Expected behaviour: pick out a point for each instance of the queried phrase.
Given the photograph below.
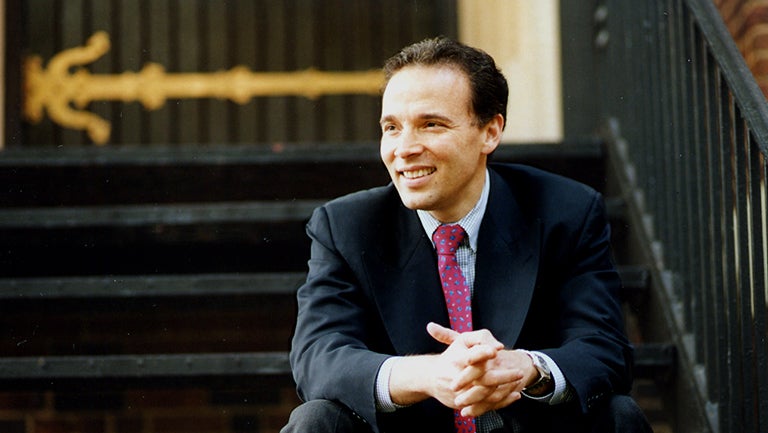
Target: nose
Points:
(408, 144)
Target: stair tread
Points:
(177, 213)
(259, 154)
(223, 284)
(52, 371)
(208, 364)
(67, 217)
(131, 286)
(144, 365)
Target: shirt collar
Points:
(470, 222)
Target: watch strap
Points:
(537, 390)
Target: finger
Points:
(498, 377)
(504, 380)
(481, 353)
(488, 405)
(477, 365)
(473, 396)
(476, 361)
(441, 333)
(467, 377)
(482, 336)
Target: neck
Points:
(452, 215)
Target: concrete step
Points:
(54, 371)
(41, 289)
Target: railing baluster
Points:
(713, 312)
(696, 182)
(677, 247)
(760, 280)
(685, 153)
(743, 263)
(665, 186)
(729, 291)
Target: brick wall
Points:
(747, 21)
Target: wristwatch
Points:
(540, 387)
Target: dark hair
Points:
(488, 85)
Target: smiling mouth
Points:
(415, 174)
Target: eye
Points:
(388, 127)
(433, 124)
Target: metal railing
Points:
(688, 128)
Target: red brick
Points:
(191, 423)
(760, 64)
(13, 426)
(128, 424)
(273, 419)
(760, 40)
(21, 400)
(165, 398)
(64, 424)
(755, 13)
(88, 400)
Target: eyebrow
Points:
(386, 119)
(424, 116)
(435, 116)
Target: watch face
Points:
(541, 365)
(539, 388)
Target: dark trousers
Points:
(619, 415)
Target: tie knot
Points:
(448, 237)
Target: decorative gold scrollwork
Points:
(55, 89)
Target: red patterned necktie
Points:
(458, 297)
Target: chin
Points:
(422, 200)
(415, 204)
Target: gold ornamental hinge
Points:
(64, 95)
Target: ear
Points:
(492, 131)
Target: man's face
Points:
(431, 145)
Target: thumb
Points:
(441, 333)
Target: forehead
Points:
(415, 85)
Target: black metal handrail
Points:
(688, 129)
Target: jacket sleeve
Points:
(330, 355)
(594, 354)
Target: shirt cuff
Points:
(383, 399)
(560, 394)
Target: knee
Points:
(315, 409)
(310, 414)
(321, 416)
(621, 414)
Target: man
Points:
(506, 320)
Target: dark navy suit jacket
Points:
(544, 281)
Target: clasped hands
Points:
(475, 374)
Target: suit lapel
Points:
(403, 274)
(406, 285)
(507, 264)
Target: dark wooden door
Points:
(213, 35)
